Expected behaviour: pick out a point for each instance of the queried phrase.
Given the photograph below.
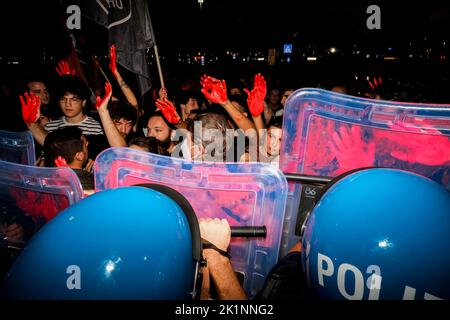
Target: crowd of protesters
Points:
(241, 111)
(205, 119)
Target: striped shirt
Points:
(89, 126)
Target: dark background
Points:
(33, 33)
(35, 25)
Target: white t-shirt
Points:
(88, 125)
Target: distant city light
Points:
(311, 58)
(333, 50)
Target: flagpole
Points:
(158, 64)
(155, 47)
(97, 64)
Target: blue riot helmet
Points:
(124, 243)
(379, 234)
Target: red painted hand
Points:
(61, 162)
(214, 89)
(103, 102)
(30, 108)
(64, 69)
(256, 97)
(112, 63)
(186, 87)
(168, 110)
(375, 83)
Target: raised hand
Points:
(112, 63)
(61, 162)
(168, 110)
(163, 94)
(64, 69)
(214, 89)
(375, 83)
(186, 87)
(256, 97)
(350, 150)
(30, 108)
(101, 103)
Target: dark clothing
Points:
(97, 143)
(92, 130)
(285, 281)
(86, 179)
(133, 135)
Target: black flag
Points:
(130, 29)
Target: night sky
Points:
(32, 26)
(265, 23)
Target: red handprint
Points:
(61, 162)
(350, 150)
(64, 69)
(168, 110)
(256, 97)
(39, 206)
(425, 146)
(30, 108)
(317, 153)
(103, 102)
(214, 89)
(112, 63)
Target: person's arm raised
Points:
(128, 93)
(170, 113)
(216, 91)
(255, 100)
(113, 135)
(30, 114)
